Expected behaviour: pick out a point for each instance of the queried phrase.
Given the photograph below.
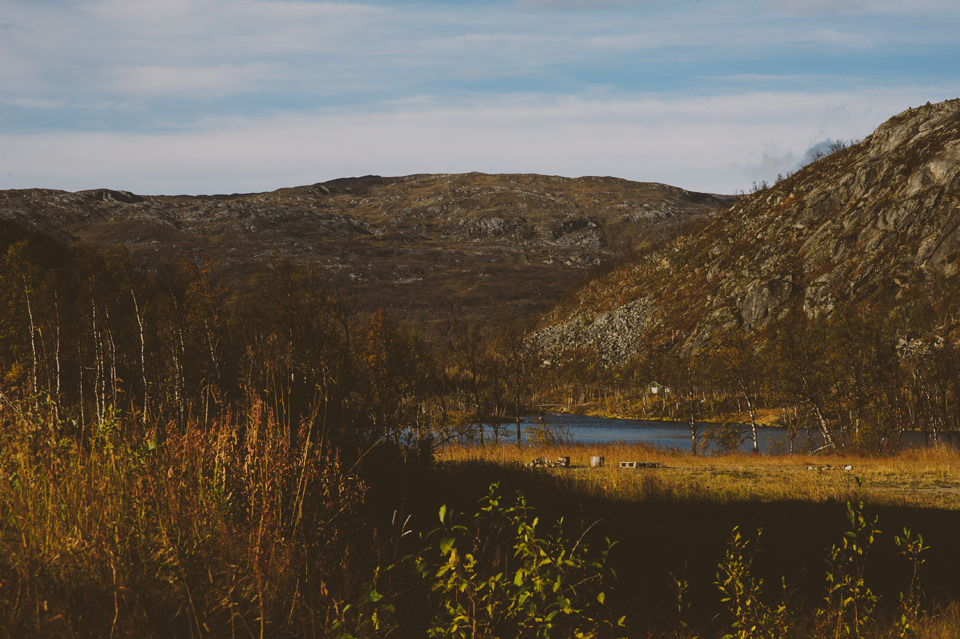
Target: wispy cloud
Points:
(581, 4)
(202, 82)
(194, 95)
(822, 7)
(869, 7)
(717, 144)
(843, 38)
(495, 39)
(41, 104)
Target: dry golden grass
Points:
(202, 535)
(924, 478)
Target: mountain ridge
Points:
(496, 246)
(868, 225)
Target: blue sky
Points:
(203, 96)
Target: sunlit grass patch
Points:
(114, 536)
(924, 478)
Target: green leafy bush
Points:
(495, 575)
(911, 548)
(741, 594)
(850, 604)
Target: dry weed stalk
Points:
(218, 528)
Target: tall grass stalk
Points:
(221, 531)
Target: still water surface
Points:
(604, 430)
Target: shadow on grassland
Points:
(657, 538)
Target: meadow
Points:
(921, 477)
(674, 521)
(231, 531)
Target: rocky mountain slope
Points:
(874, 224)
(492, 246)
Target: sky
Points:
(228, 96)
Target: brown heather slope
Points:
(426, 246)
(876, 224)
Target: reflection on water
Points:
(603, 430)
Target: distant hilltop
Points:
(497, 246)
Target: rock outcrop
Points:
(871, 224)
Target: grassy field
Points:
(676, 519)
(233, 532)
(923, 478)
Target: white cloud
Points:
(843, 38)
(712, 144)
(176, 32)
(136, 50)
(581, 4)
(138, 55)
(645, 40)
(774, 161)
(822, 7)
(914, 8)
(188, 17)
(198, 81)
(38, 104)
(495, 39)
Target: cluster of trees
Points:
(868, 376)
(84, 333)
(857, 377)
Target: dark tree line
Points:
(84, 333)
(855, 376)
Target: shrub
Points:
(495, 575)
(849, 604)
(741, 593)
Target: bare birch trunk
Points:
(516, 407)
(143, 357)
(56, 356)
(33, 344)
(821, 418)
(693, 424)
(98, 386)
(932, 434)
(83, 421)
(753, 416)
(181, 381)
(824, 427)
(112, 377)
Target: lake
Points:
(586, 429)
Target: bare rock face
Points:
(612, 333)
(762, 299)
(503, 247)
(871, 224)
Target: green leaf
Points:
(443, 513)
